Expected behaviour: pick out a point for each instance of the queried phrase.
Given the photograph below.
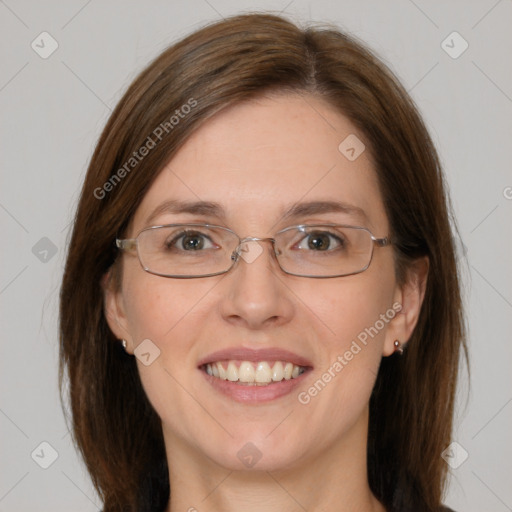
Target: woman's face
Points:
(257, 160)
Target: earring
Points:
(398, 347)
(123, 342)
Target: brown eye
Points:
(321, 241)
(189, 241)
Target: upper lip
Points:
(255, 356)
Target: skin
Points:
(256, 159)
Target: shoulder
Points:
(446, 509)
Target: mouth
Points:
(254, 376)
(262, 373)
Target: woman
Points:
(260, 307)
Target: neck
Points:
(334, 479)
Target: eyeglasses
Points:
(203, 250)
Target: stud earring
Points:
(123, 342)
(398, 347)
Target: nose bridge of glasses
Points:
(254, 239)
(250, 251)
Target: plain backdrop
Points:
(53, 108)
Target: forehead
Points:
(257, 159)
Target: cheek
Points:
(167, 312)
(357, 311)
(155, 306)
(354, 305)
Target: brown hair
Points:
(411, 408)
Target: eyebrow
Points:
(213, 209)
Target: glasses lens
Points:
(196, 250)
(186, 250)
(324, 251)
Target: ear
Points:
(114, 309)
(410, 295)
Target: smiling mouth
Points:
(248, 373)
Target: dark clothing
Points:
(442, 509)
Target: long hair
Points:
(113, 424)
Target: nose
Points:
(256, 295)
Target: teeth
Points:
(263, 373)
(260, 374)
(232, 372)
(246, 372)
(288, 369)
(220, 369)
(278, 372)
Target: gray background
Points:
(53, 110)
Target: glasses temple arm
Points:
(126, 244)
(382, 242)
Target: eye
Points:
(321, 241)
(190, 241)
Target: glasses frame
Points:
(128, 244)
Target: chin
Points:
(256, 453)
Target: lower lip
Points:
(254, 394)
